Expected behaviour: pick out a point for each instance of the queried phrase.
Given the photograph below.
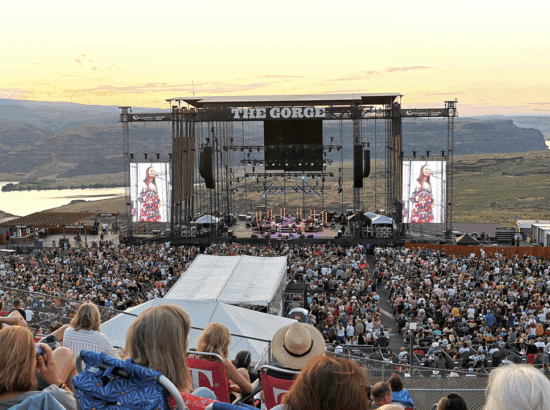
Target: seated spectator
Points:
(18, 361)
(517, 386)
(216, 339)
(294, 345)
(328, 383)
(399, 394)
(381, 395)
(158, 339)
(84, 333)
(451, 402)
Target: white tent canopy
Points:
(204, 279)
(240, 322)
(382, 219)
(254, 281)
(237, 280)
(207, 219)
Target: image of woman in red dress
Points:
(149, 198)
(422, 198)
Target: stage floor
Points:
(241, 231)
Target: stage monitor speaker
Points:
(208, 167)
(253, 236)
(358, 166)
(310, 236)
(366, 163)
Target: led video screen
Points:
(424, 191)
(151, 187)
(291, 132)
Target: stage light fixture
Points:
(242, 149)
(428, 153)
(340, 189)
(303, 177)
(145, 155)
(414, 153)
(258, 149)
(442, 153)
(131, 156)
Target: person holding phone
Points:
(21, 359)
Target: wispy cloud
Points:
(15, 93)
(444, 93)
(78, 61)
(404, 69)
(36, 63)
(280, 76)
(365, 75)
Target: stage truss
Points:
(197, 123)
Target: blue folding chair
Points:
(114, 384)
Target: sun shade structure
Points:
(41, 220)
(249, 281)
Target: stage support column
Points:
(125, 112)
(356, 114)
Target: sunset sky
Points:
(493, 56)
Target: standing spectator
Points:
(399, 394)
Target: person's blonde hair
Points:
(518, 387)
(215, 338)
(158, 340)
(17, 360)
(87, 317)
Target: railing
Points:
(49, 308)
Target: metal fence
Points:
(428, 385)
(46, 309)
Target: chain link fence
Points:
(428, 385)
(44, 310)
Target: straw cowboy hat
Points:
(293, 345)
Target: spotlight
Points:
(257, 149)
(303, 177)
(414, 153)
(442, 153)
(428, 153)
(242, 149)
(340, 189)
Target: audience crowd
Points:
(465, 308)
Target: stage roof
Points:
(49, 219)
(289, 100)
(237, 280)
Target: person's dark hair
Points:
(396, 383)
(243, 359)
(380, 390)
(16, 303)
(452, 402)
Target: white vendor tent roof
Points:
(254, 281)
(242, 324)
(204, 279)
(237, 280)
(207, 219)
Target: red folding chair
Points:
(209, 374)
(274, 388)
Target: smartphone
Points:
(39, 351)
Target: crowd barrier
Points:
(427, 385)
(461, 250)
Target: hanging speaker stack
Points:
(366, 163)
(206, 164)
(358, 166)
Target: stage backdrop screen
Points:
(151, 187)
(292, 132)
(424, 191)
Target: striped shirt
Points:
(92, 340)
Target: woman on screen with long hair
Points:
(149, 198)
(422, 198)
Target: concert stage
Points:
(240, 230)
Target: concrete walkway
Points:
(396, 340)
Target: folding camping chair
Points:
(114, 384)
(212, 375)
(274, 388)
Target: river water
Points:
(27, 202)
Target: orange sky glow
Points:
(494, 57)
